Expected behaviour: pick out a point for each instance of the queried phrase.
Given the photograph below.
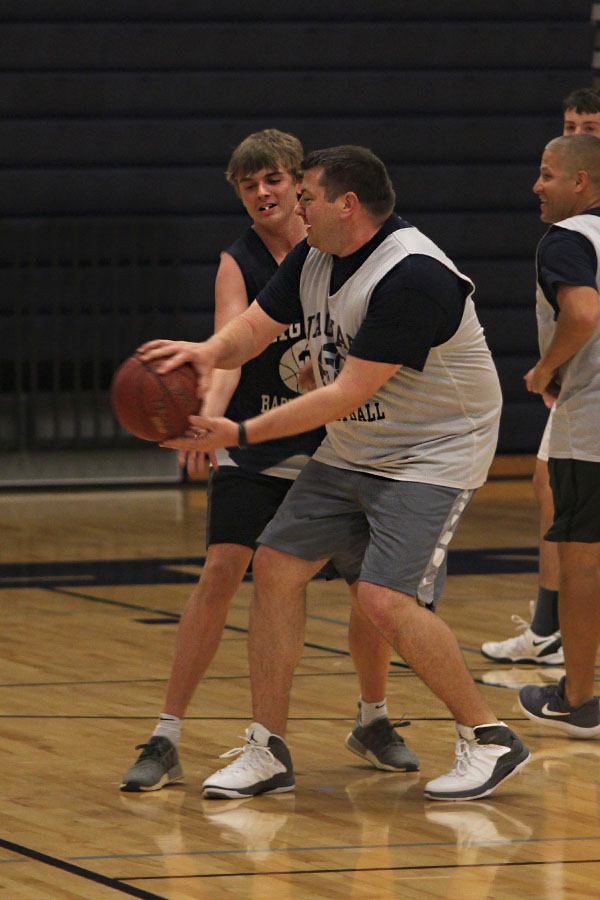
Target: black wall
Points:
(118, 119)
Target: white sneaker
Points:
(263, 766)
(485, 756)
(527, 647)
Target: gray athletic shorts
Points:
(392, 533)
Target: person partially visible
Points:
(248, 486)
(540, 640)
(568, 314)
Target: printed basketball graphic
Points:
(292, 360)
(330, 363)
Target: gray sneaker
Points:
(548, 705)
(156, 766)
(381, 746)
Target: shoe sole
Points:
(135, 787)
(574, 730)
(221, 793)
(448, 798)
(537, 660)
(360, 750)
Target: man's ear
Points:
(582, 179)
(349, 203)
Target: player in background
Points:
(248, 486)
(568, 317)
(540, 641)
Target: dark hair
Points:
(583, 100)
(357, 169)
(265, 150)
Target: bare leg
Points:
(427, 644)
(370, 652)
(276, 639)
(549, 566)
(579, 610)
(202, 622)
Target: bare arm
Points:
(230, 301)
(240, 339)
(358, 380)
(579, 311)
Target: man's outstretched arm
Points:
(238, 341)
(358, 380)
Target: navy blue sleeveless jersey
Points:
(269, 379)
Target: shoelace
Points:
(464, 751)
(469, 753)
(244, 762)
(385, 730)
(149, 750)
(520, 623)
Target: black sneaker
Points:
(549, 706)
(263, 766)
(156, 766)
(381, 745)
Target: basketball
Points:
(150, 405)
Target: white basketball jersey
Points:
(438, 426)
(575, 429)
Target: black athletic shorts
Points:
(575, 487)
(240, 504)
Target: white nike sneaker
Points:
(527, 647)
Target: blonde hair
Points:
(266, 149)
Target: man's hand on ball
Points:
(206, 433)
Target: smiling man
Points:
(539, 641)
(568, 314)
(409, 394)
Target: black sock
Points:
(545, 617)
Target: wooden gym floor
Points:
(92, 584)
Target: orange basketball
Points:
(152, 406)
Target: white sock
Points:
(371, 711)
(169, 727)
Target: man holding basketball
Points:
(249, 485)
(411, 399)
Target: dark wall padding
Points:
(118, 120)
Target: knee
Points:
(266, 573)
(220, 579)
(384, 607)
(276, 572)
